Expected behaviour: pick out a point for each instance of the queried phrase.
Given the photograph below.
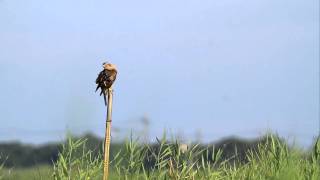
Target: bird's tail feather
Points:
(98, 86)
(104, 97)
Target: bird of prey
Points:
(106, 78)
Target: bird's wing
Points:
(99, 80)
(100, 77)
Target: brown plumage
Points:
(106, 78)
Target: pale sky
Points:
(232, 67)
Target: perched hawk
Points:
(106, 78)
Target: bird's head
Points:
(109, 66)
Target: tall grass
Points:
(165, 160)
(1, 166)
(75, 161)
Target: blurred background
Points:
(202, 70)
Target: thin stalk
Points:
(107, 136)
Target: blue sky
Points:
(224, 68)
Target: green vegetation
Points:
(271, 158)
(43, 172)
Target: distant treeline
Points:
(19, 155)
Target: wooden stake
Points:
(107, 136)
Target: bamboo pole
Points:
(107, 136)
